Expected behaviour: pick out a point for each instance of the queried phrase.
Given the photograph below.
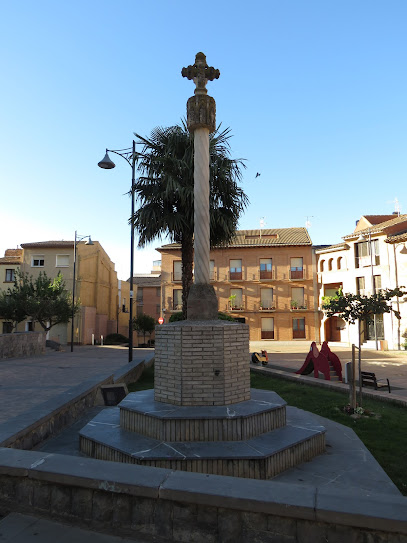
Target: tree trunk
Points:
(187, 255)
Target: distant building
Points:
(265, 278)
(148, 297)
(9, 264)
(96, 286)
(371, 258)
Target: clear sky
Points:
(315, 93)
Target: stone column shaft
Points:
(201, 206)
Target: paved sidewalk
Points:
(26, 382)
(286, 359)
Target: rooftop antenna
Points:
(397, 206)
(262, 224)
(308, 222)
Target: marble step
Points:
(140, 413)
(260, 457)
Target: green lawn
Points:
(385, 435)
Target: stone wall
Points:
(21, 344)
(173, 506)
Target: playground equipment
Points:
(321, 361)
(260, 357)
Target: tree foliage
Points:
(45, 300)
(165, 192)
(144, 324)
(356, 307)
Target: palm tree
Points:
(165, 192)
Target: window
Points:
(377, 282)
(177, 270)
(321, 265)
(7, 327)
(177, 299)
(267, 328)
(360, 285)
(266, 298)
(62, 261)
(299, 328)
(362, 253)
(139, 310)
(139, 295)
(10, 276)
(158, 292)
(330, 261)
(212, 270)
(235, 270)
(379, 328)
(236, 298)
(296, 268)
(37, 261)
(266, 268)
(339, 263)
(158, 309)
(29, 326)
(297, 298)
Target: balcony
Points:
(268, 306)
(296, 273)
(267, 275)
(298, 305)
(236, 275)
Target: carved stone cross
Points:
(200, 73)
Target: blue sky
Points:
(314, 91)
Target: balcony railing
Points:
(295, 305)
(267, 275)
(268, 306)
(236, 276)
(297, 273)
(267, 334)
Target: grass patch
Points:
(145, 382)
(385, 437)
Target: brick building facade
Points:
(265, 278)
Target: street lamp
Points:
(362, 237)
(129, 154)
(77, 240)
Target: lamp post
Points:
(77, 240)
(362, 237)
(129, 154)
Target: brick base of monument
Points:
(202, 363)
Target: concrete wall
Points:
(22, 344)
(175, 506)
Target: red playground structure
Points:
(322, 361)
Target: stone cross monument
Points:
(201, 121)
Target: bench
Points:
(369, 379)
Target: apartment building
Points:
(148, 298)
(9, 264)
(96, 286)
(264, 278)
(372, 257)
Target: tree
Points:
(144, 324)
(14, 302)
(45, 300)
(165, 192)
(354, 308)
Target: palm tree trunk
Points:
(187, 256)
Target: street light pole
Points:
(129, 155)
(77, 240)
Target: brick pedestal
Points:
(202, 363)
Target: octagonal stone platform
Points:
(250, 439)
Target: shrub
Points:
(115, 339)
